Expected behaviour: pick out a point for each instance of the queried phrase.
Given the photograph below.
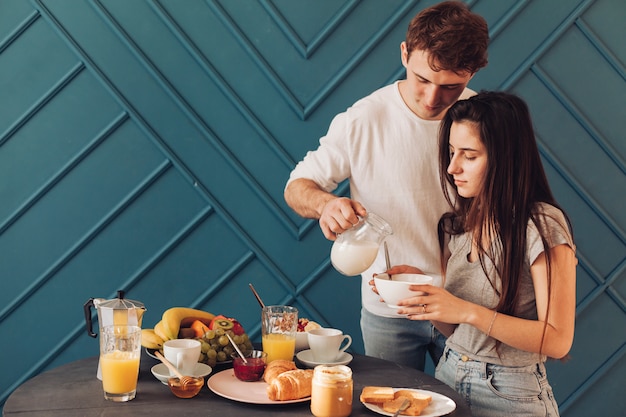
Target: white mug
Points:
(325, 344)
(183, 354)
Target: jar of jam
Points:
(331, 394)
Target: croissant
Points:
(291, 385)
(277, 367)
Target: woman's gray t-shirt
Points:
(468, 281)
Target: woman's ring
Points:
(423, 308)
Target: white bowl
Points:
(302, 341)
(396, 289)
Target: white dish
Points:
(302, 341)
(226, 384)
(397, 288)
(440, 405)
(161, 372)
(306, 357)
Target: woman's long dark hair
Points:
(515, 182)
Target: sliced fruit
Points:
(222, 322)
(199, 328)
(227, 323)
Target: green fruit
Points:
(223, 323)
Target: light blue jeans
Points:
(401, 340)
(496, 390)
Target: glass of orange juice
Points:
(279, 325)
(120, 350)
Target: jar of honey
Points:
(331, 394)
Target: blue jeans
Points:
(496, 390)
(401, 340)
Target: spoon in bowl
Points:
(237, 349)
(256, 294)
(387, 262)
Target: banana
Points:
(174, 316)
(160, 331)
(150, 340)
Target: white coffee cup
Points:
(183, 354)
(325, 344)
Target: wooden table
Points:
(73, 390)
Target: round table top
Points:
(73, 390)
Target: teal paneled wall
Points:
(144, 146)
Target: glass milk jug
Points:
(355, 250)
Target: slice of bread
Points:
(418, 400)
(376, 395)
(418, 397)
(394, 405)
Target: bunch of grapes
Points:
(217, 348)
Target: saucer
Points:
(161, 372)
(306, 357)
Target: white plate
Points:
(161, 372)
(226, 384)
(440, 405)
(306, 357)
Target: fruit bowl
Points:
(212, 331)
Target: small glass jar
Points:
(331, 394)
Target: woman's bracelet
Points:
(495, 313)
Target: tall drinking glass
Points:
(120, 350)
(279, 325)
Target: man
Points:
(386, 144)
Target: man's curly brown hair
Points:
(455, 38)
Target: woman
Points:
(509, 297)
